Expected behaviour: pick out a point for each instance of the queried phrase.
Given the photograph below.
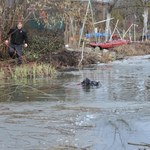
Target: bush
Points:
(42, 42)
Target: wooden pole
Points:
(114, 30)
(103, 21)
(130, 37)
(84, 21)
(127, 31)
(134, 31)
(92, 17)
(83, 44)
(119, 33)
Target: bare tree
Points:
(109, 7)
(145, 16)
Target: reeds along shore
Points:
(67, 59)
(28, 71)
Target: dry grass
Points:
(134, 49)
(2, 74)
(28, 71)
(34, 71)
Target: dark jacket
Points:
(18, 36)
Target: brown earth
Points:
(72, 58)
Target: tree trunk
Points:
(107, 29)
(145, 15)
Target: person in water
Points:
(87, 83)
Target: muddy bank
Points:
(67, 58)
(73, 58)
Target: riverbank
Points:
(67, 59)
(75, 58)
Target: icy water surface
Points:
(59, 114)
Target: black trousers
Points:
(16, 51)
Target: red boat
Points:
(109, 44)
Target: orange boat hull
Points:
(109, 44)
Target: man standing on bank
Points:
(18, 38)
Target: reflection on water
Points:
(121, 81)
(60, 114)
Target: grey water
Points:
(59, 114)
